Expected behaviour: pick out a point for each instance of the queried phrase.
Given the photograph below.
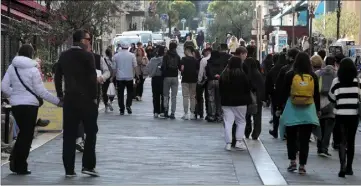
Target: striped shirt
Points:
(345, 97)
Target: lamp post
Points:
(338, 18)
(311, 9)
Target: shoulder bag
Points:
(41, 101)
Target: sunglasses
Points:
(89, 39)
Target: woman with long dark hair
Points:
(257, 83)
(235, 95)
(301, 98)
(105, 85)
(345, 94)
(154, 71)
(23, 84)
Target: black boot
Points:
(349, 170)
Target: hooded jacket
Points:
(326, 106)
(256, 80)
(270, 83)
(153, 67)
(214, 66)
(31, 77)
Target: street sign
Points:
(254, 24)
(254, 32)
(183, 20)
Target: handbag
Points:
(111, 90)
(41, 101)
(252, 108)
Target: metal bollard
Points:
(7, 109)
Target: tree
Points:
(152, 23)
(231, 16)
(63, 18)
(164, 7)
(185, 9)
(349, 25)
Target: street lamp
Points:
(311, 9)
(338, 18)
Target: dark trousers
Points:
(76, 110)
(140, 85)
(105, 87)
(257, 123)
(327, 125)
(201, 90)
(336, 134)
(303, 138)
(348, 127)
(25, 117)
(121, 87)
(276, 119)
(157, 90)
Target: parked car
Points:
(158, 39)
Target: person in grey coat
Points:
(154, 71)
(327, 117)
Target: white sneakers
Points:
(185, 117)
(228, 147)
(239, 146)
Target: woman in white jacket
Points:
(25, 103)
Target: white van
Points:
(145, 36)
(126, 40)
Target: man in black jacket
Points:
(102, 67)
(214, 69)
(290, 57)
(77, 66)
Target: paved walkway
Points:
(138, 149)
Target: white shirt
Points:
(202, 68)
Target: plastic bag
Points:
(111, 90)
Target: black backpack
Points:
(172, 62)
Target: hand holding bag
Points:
(41, 101)
(111, 90)
(252, 108)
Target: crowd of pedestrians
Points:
(224, 84)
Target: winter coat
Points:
(270, 83)
(31, 77)
(326, 106)
(257, 82)
(154, 66)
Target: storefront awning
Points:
(4, 8)
(299, 6)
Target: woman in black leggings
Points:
(345, 93)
